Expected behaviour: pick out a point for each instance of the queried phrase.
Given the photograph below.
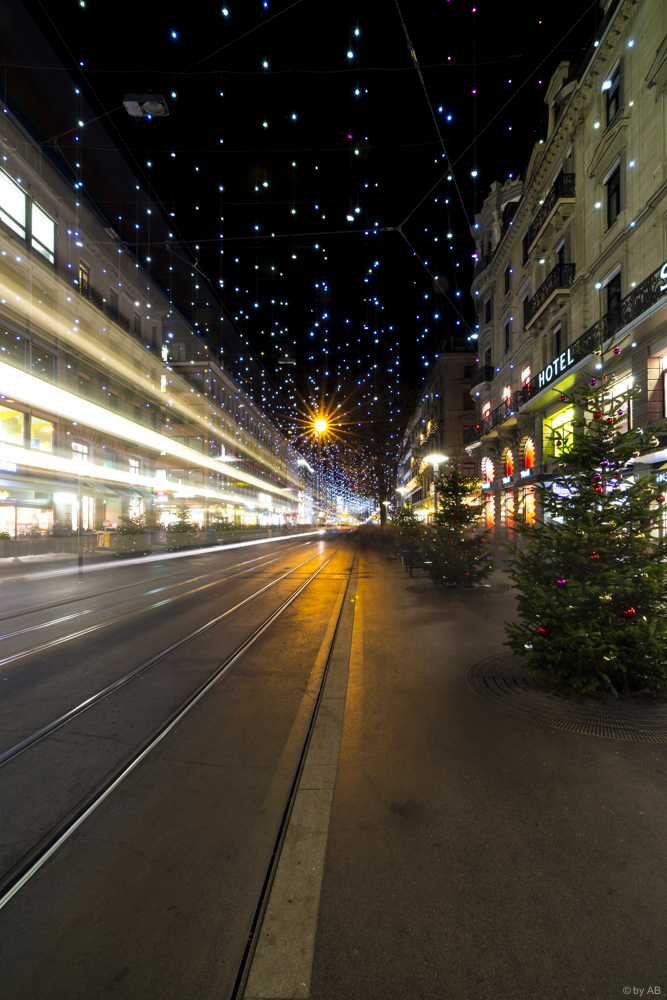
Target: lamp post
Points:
(435, 461)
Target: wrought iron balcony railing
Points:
(561, 276)
(563, 188)
(598, 336)
(483, 374)
(88, 292)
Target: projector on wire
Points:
(146, 105)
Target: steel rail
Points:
(30, 864)
(126, 586)
(58, 640)
(87, 703)
(146, 593)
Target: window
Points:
(12, 349)
(12, 204)
(509, 463)
(560, 255)
(487, 357)
(468, 371)
(41, 434)
(488, 472)
(137, 325)
(617, 389)
(42, 363)
(79, 452)
(557, 341)
(526, 309)
(84, 279)
(613, 196)
(508, 336)
(109, 459)
(154, 343)
(613, 291)
(525, 244)
(113, 300)
(43, 233)
(525, 375)
(529, 454)
(559, 432)
(508, 279)
(468, 401)
(614, 95)
(507, 392)
(134, 466)
(12, 424)
(487, 310)
(486, 411)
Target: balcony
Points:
(600, 335)
(481, 265)
(88, 292)
(483, 374)
(560, 194)
(558, 280)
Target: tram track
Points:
(146, 593)
(58, 640)
(32, 861)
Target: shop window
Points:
(613, 186)
(12, 204)
(41, 434)
(529, 454)
(43, 233)
(42, 363)
(530, 505)
(525, 375)
(617, 389)
(12, 426)
(488, 471)
(79, 452)
(558, 432)
(12, 349)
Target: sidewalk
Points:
(471, 854)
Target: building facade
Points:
(443, 415)
(104, 381)
(573, 257)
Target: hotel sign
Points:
(556, 368)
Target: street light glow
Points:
(320, 426)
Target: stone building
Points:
(574, 255)
(445, 411)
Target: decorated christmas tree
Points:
(591, 572)
(457, 549)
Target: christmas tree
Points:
(456, 547)
(591, 573)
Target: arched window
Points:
(509, 463)
(529, 454)
(488, 472)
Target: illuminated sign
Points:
(525, 473)
(7, 466)
(506, 480)
(557, 367)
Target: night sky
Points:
(310, 122)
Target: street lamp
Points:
(435, 461)
(320, 426)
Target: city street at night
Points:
(333, 500)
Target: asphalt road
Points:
(155, 893)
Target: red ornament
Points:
(598, 489)
(627, 610)
(660, 499)
(609, 420)
(597, 415)
(544, 630)
(595, 556)
(563, 399)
